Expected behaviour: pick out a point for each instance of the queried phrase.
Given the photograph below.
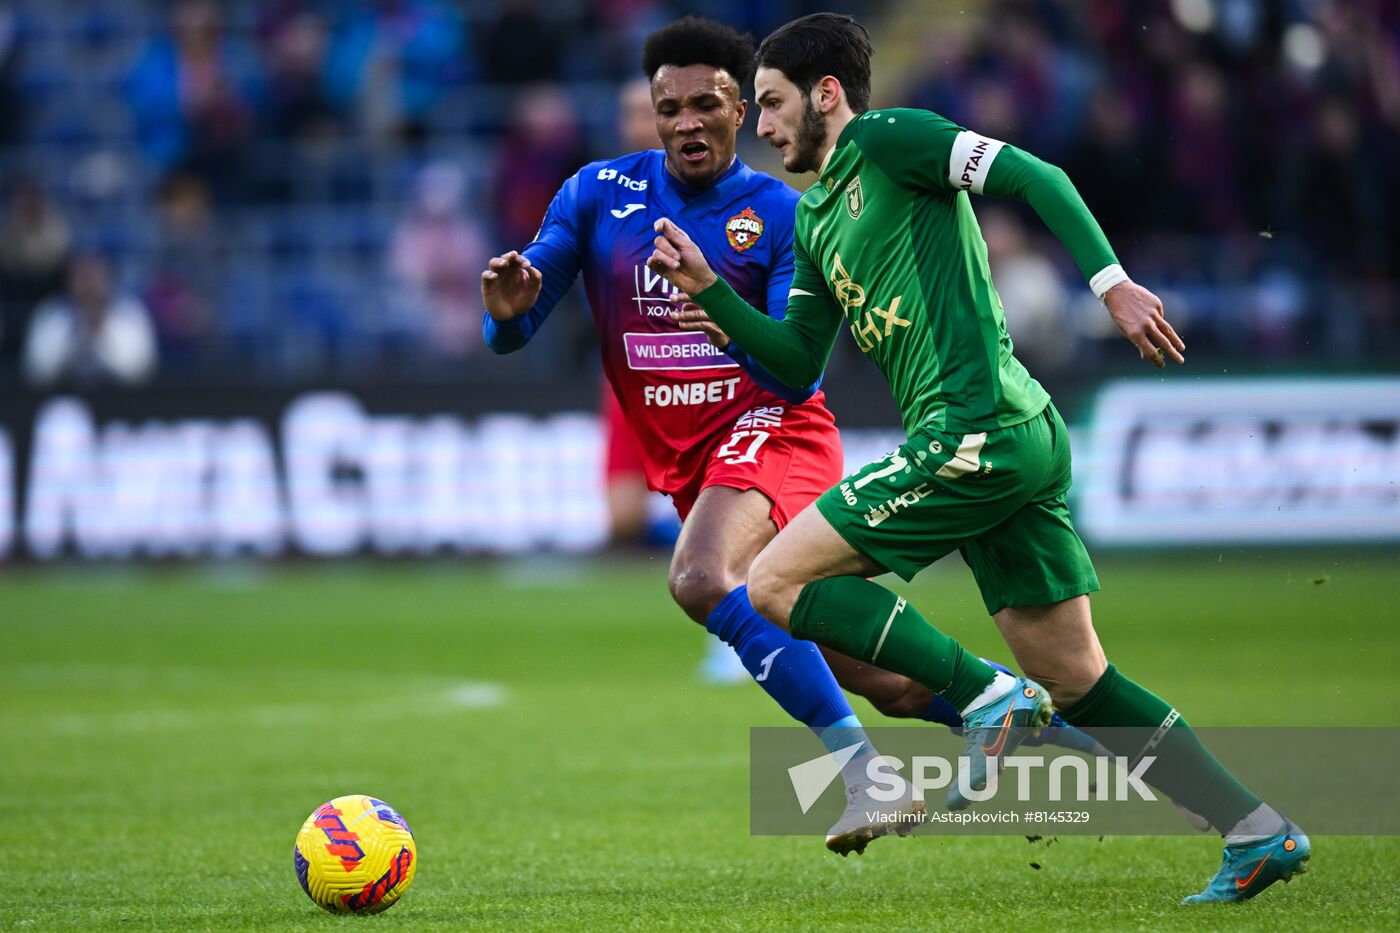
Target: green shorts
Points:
(998, 498)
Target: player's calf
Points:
(772, 595)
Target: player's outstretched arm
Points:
(924, 151)
(794, 349)
(1048, 190)
(510, 286)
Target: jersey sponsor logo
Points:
(632, 184)
(849, 295)
(691, 393)
(855, 199)
(887, 509)
(873, 326)
(629, 209)
(686, 350)
(654, 295)
(744, 229)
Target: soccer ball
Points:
(355, 855)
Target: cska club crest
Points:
(744, 229)
(855, 198)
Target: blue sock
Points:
(944, 713)
(791, 670)
(941, 711)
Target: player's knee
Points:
(769, 591)
(698, 587)
(1067, 683)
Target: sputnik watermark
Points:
(1067, 777)
(1058, 781)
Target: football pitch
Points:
(163, 734)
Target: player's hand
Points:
(693, 317)
(510, 286)
(1138, 314)
(678, 260)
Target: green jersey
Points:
(886, 243)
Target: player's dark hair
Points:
(697, 41)
(812, 47)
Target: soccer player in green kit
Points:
(887, 245)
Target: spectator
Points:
(11, 101)
(293, 41)
(1200, 152)
(520, 46)
(539, 152)
(391, 60)
(1337, 205)
(434, 258)
(945, 83)
(34, 246)
(190, 96)
(1033, 296)
(1266, 130)
(187, 271)
(1108, 164)
(636, 121)
(91, 335)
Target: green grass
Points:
(164, 733)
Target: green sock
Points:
(868, 622)
(1185, 770)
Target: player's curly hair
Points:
(697, 41)
(812, 47)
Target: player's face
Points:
(698, 115)
(789, 121)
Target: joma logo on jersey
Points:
(872, 326)
(611, 174)
(744, 229)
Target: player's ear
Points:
(740, 109)
(830, 93)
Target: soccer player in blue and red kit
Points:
(738, 452)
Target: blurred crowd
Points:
(1241, 155)
(301, 188)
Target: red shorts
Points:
(622, 454)
(791, 454)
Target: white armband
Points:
(971, 159)
(1106, 278)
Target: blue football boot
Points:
(993, 731)
(1251, 867)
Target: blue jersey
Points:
(678, 392)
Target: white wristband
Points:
(1106, 278)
